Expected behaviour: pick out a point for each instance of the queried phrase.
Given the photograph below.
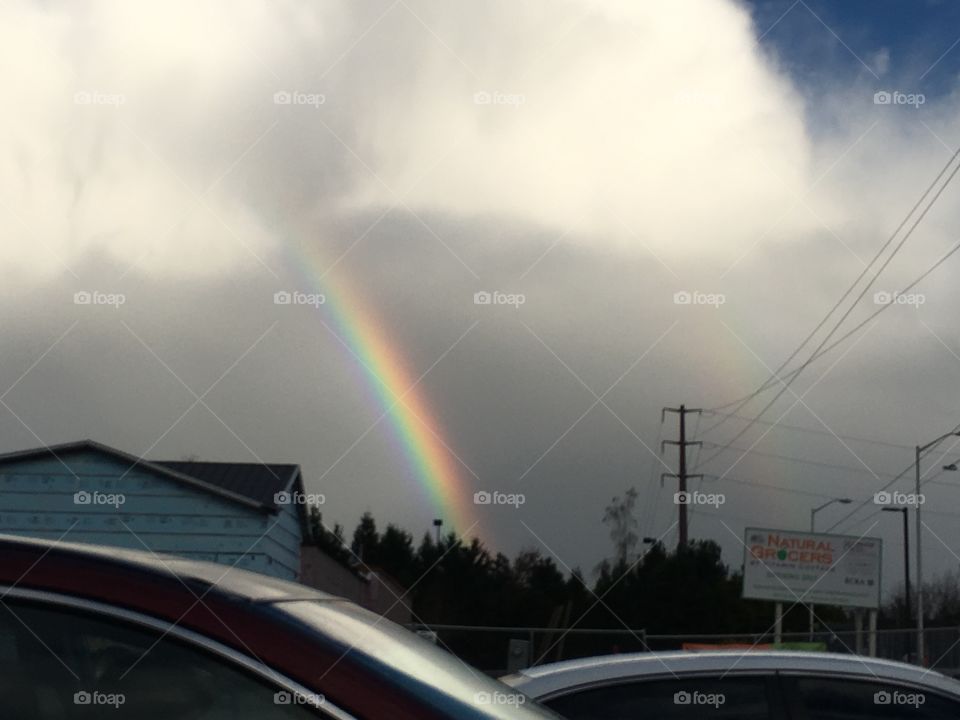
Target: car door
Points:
(836, 697)
(693, 697)
(60, 662)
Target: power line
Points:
(792, 458)
(868, 319)
(770, 382)
(926, 511)
(697, 449)
(813, 431)
(899, 475)
(791, 376)
(766, 486)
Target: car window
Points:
(844, 699)
(57, 664)
(739, 698)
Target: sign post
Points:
(778, 623)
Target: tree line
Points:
(663, 591)
(458, 582)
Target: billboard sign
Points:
(785, 566)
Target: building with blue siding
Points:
(249, 515)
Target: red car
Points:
(96, 632)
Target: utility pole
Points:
(682, 498)
(920, 450)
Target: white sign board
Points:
(786, 566)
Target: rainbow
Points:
(380, 361)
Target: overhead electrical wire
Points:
(911, 466)
(792, 458)
(821, 351)
(775, 376)
(814, 431)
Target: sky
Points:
(255, 231)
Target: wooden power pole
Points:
(682, 497)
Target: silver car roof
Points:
(547, 680)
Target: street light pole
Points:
(920, 449)
(813, 515)
(906, 563)
(919, 562)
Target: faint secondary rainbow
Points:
(395, 389)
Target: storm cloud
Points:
(595, 158)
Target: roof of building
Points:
(252, 484)
(259, 482)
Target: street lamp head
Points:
(844, 501)
(894, 509)
(952, 467)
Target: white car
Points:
(761, 685)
